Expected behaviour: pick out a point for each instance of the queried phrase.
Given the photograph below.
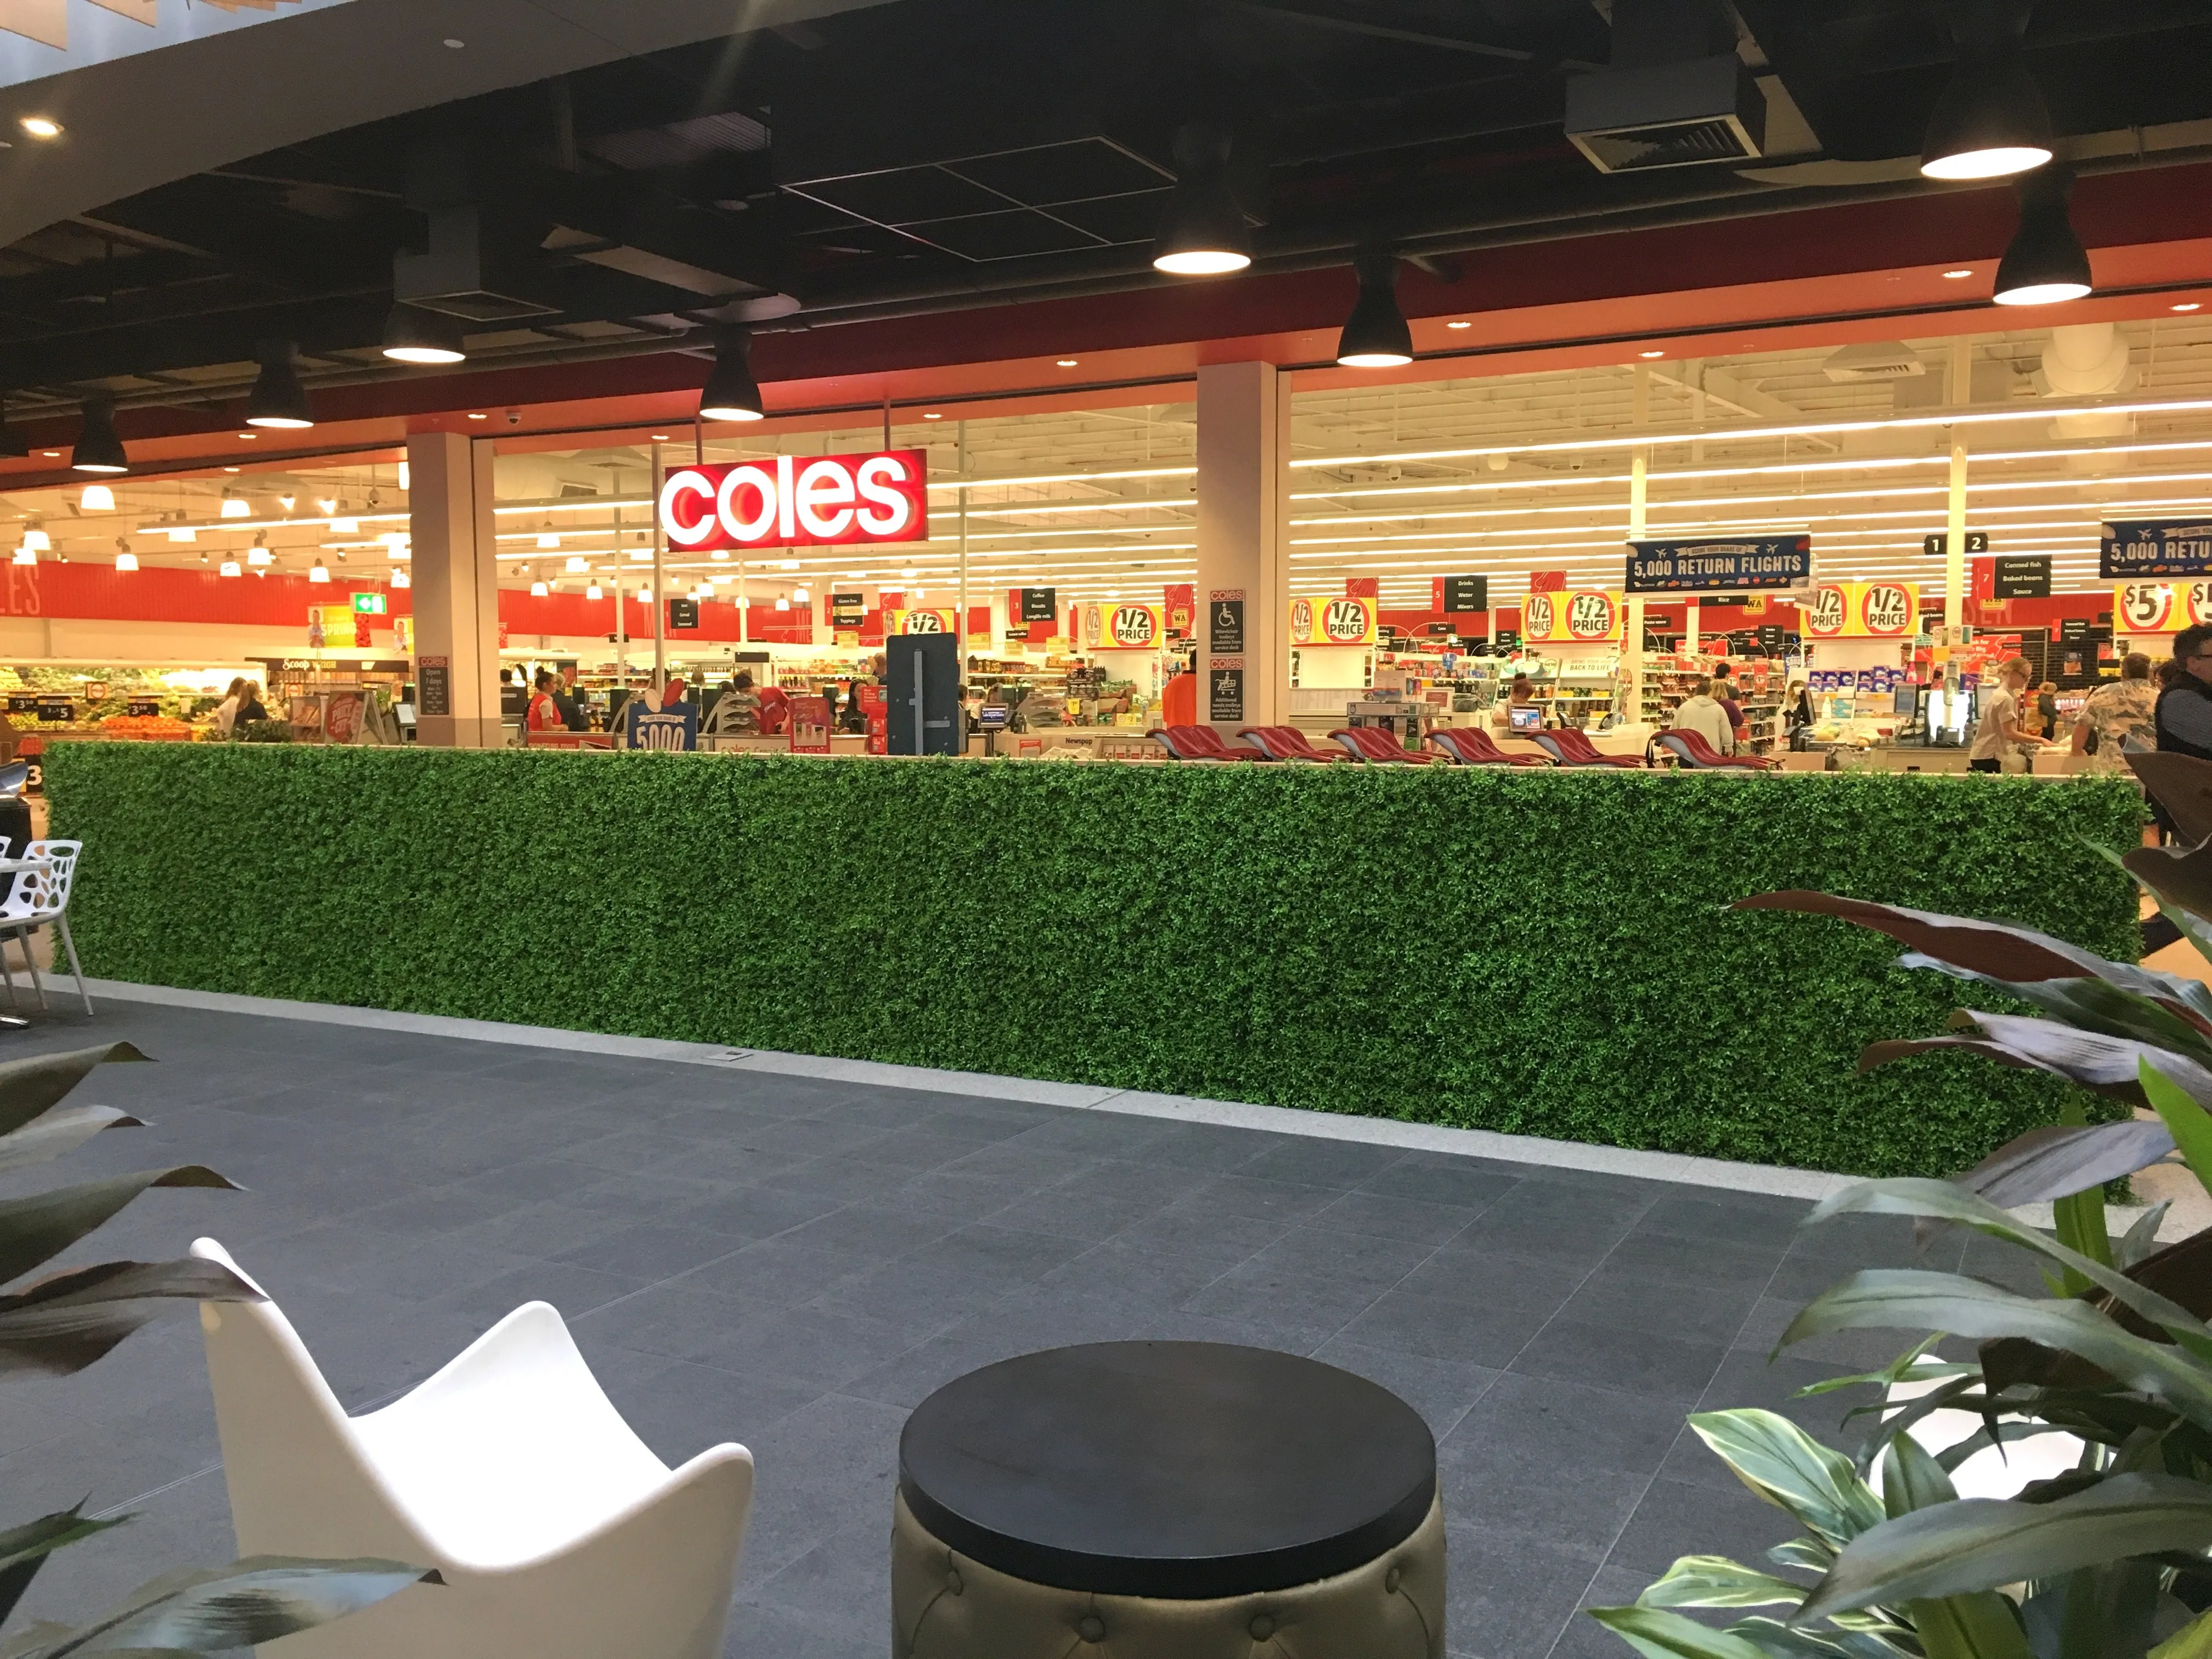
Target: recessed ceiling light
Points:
(933, 417)
(1067, 362)
(1650, 354)
(249, 437)
(51, 454)
(1459, 325)
(452, 45)
(2191, 305)
(480, 417)
(1956, 275)
(660, 437)
(230, 469)
(41, 126)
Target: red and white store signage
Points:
(798, 500)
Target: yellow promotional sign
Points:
(2160, 607)
(1858, 611)
(1586, 615)
(1333, 622)
(1133, 626)
(918, 621)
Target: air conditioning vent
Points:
(1873, 360)
(1667, 115)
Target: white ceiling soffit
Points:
(214, 98)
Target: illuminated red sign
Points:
(798, 500)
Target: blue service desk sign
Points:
(1765, 563)
(2135, 548)
(646, 724)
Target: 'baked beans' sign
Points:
(798, 500)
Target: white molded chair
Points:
(559, 1534)
(39, 897)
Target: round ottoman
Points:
(1166, 1500)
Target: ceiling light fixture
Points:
(126, 560)
(1956, 275)
(2191, 305)
(547, 541)
(319, 572)
(184, 537)
(645, 595)
(231, 568)
(578, 564)
(25, 555)
(99, 448)
(1376, 335)
(539, 590)
(1647, 355)
(278, 399)
(595, 592)
(401, 578)
(326, 507)
(421, 336)
(1992, 121)
(2046, 263)
(933, 417)
(730, 392)
(97, 498)
(41, 126)
(345, 526)
(1067, 362)
(235, 507)
(1203, 233)
(1459, 325)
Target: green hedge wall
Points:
(1540, 953)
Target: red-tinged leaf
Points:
(2056, 1163)
(1991, 949)
(2183, 785)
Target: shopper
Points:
(2047, 709)
(513, 697)
(1723, 690)
(1797, 708)
(2003, 723)
(737, 714)
(570, 701)
(1703, 713)
(854, 720)
(249, 705)
(2119, 716)
(2184, 714)
(226, 712)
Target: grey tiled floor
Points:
(794, 1264)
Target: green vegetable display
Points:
(1546, 953)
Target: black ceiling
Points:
(937, 152)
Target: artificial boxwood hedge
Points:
(1542, 953)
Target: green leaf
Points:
(1978, 1626)
(36, 1229)
(210, 1610)
(1809, 1553)
(63, 1324)
(1980, 1543)
(1714, 1581)
(62, 1129)
(1940, 1200)
(1790, 1470)
(1657, 1634)
(24, 1549)
(2054, 1162)
(1912, 1299)
(1912, 1479)
(2142, 1239)
(2188, 1122)
(28, 1086)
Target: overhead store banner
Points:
(919, 621)
(1123, 627)
(798, 500)
(1720, 567)
(1857, 611)
(1586, 616)
(1463, 596)
(2135, 548)
(1333, 621)
(2160, 607)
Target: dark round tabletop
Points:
(1184, 1471)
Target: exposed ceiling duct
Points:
(1675, 92)
(2086, 360)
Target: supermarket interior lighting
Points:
(44, 128)
(2046, 263)
(99, 446)
(126, 560)
(421, 336)
(1203, 233)
(278, 400)
(731, 394)
(401, 578)
(319, 572)
(539, 590)
(595, 591)
(231, 568)
(1376, 335)
(578, 564)
(97, 498)
(1992, 121)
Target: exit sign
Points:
(368, 604)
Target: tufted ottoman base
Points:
(945, 1605)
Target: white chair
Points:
(558, 1533)
(37, 897)
(1989, 1473)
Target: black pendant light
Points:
(1376, 335)
(731, 394)
(1203, 233)
(1990, 123)
(98, 447)
(411, 336)
(2046, 263)
(278, 399)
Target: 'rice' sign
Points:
(798, 500)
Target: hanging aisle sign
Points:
(798, 500)
(1720, 567)
(1584, 616)
(2135, 548)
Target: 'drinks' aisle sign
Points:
(2136, 548)
(1720, 567)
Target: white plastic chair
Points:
(38, 897)
(559, 1534)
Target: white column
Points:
(1961, 391)
(1639, 487)
(455, 575)
(1243, 518)
(960, 618)
(660, 585)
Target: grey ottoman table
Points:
(1166, 1500)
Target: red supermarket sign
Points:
(798, 500)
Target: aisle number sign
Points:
(1333, 622)
(1131, 627)
(1585, 616)
(2160, 607)
(1858, 611)
(919, 621)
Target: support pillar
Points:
(1961, 392)
(455, 576)
(1243, 545)
(1631, 674)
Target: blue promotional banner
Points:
(1763, 563)
(646, 727)
(2139, 548)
